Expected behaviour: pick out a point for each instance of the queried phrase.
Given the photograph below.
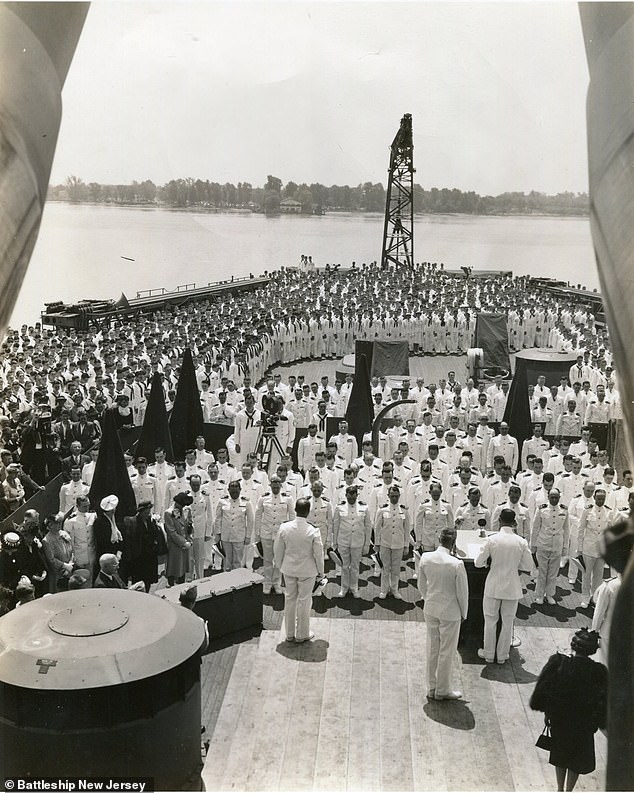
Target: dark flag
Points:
(517, 413)
(155, 431)
(360, 412)
(186, 420)
(111, 475)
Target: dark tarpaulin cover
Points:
(363, 347)
(360, 412)
(155, 431)
(111, 475)
(186, 420)
(390, 357)
(517, 413)
(491, 336)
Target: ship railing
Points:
(192, 287)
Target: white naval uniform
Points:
(321, 516)
(442, 582)
(549, 536)
(271, 511)
(594, 521)
(391, 531)
(202, 517)
(509, 554)
(429, 520)
(234, 525)
(161, 472)
(351, 533)
(473, 518)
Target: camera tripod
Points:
(267, 441)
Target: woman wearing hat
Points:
(572, 693)
(144, 543)
(107, 535)
(58, 553)
(179, 530)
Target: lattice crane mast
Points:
(398, 231)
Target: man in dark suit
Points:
(84, 431)
(109, 577)
(64, 429)
(74, 460)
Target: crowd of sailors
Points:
(446, 462)
(448, 449)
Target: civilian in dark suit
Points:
(64, 429)
(109, 577)
(84, 431)
(75, 460)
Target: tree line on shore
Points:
(274, 196)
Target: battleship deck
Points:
(348, 711)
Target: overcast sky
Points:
(233, 91)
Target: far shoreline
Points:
(327, 213)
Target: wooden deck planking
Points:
(249, 726)
(364, 763)
(298, 767)
(331, 760)
(221, 740)
(485, 732)
(264, 768)
(426, 751)
(395, 744)
(349, 712)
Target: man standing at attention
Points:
(442, 581)
(509, 554)
(299, 554)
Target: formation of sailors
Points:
(56, 389)
(298, 315)
(443, 467)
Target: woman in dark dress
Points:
(143, 544)
(572, 693)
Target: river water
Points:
(80, 248)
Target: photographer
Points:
(39, 447)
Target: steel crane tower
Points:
(398, 231)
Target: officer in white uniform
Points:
(234, 525)
(271, 511)
(473, 516)
(549, 536)
(143, 483)
(442, 582)
(522, 523)
(594, 521)
(162, 471)
(433, 515)
(202, 516)
(509, 554)
(299, 554)
(346, 443)
(351, 534)
(321, 513)
(391, 533)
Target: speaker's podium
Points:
(228, 602)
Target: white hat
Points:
(109, 502)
